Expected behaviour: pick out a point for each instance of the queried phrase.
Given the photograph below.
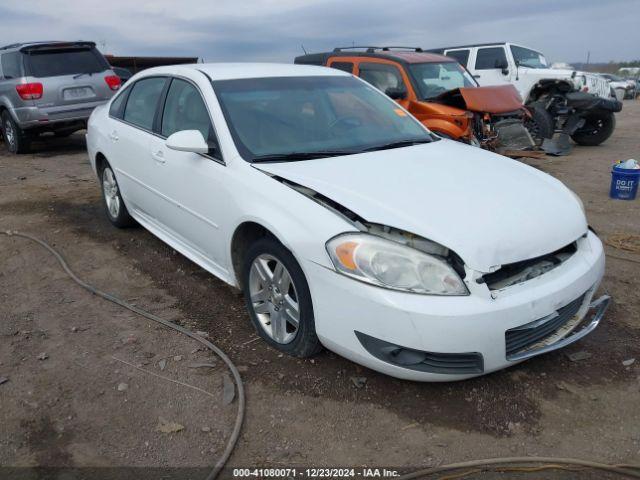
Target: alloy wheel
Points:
(274, 298)
(9, 134)
(110, 189)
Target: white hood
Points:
(489, 209)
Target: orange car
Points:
(439, 92)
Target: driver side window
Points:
(382, 76)
(184, 109)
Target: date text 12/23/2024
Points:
(321, 472)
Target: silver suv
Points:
(50, 87)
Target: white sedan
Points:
(345, 222)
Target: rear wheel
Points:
(596, 129)
(540, 125)
(278, 299)
(16, 139)
(112, 199)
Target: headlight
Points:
(388, 264)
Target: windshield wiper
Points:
(398, 144)
(295, 156)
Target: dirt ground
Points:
(70, 401)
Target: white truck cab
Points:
(500, 63)
(560, 100)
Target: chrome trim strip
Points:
(601, 305)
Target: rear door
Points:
(74, 77)
(491, 67)
(130, 134)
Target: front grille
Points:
(521, 338)
(520, 272)
(431, 362)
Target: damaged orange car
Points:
(439, 92)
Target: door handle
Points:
(159, 157)
(476, 76)
(114, 136)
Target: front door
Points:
(192, 185)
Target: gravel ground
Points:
(70, 401)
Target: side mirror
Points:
(503, 66)
(188, 141)
(396, 93)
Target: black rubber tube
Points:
(235, 434)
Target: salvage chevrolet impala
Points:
(346, 223)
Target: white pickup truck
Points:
(568, 101)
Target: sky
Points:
(275, 30)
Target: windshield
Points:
(526, 57)
(57, 62)
(301, 116)
(433, 79)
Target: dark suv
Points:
(50, 87)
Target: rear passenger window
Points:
(117, 105)
(184, 109)
(143, 101)
(490, 58)
(462, 56)
(344, 66)
(381, 76)
(11, 65)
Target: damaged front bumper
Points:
(576, 328)
(433, 338)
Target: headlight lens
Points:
(391, 265)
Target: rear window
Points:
(11, 65)
(462, 56)
(490, 58)
(54, 63)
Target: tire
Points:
(16, 140)
(266, 302)
(541, 124)
(114, 206)
(596, 130)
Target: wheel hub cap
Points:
(111, 197)
(274, 298)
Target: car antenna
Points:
(302, 46)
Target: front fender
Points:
(301, 224)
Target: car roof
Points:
(53, 43)
(387, 53)
(233, 71)
(473, 45)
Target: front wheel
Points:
(597, 129)
(278, 298)
(540, 125)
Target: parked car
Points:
(50, 87)
(346, 222)
(123, 73)
(623, 87)
(439, 92)
(576, 103)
